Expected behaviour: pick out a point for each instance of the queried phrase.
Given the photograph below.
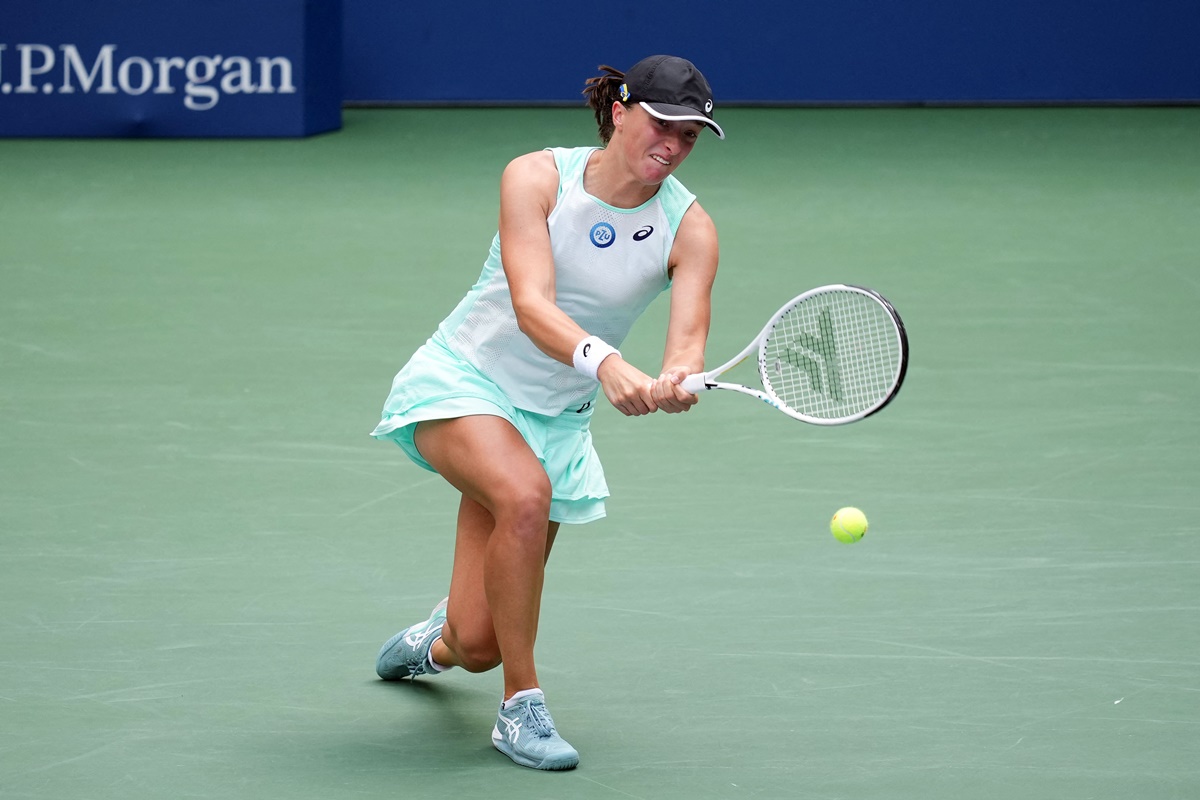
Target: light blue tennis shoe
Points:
(406, 655)
(525, 733)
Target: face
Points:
(653, 147)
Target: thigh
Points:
(486, 458)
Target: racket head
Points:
(833, 355)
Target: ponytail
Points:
(601, 92)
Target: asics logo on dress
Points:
(643, 233)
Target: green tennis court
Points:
(201, 549)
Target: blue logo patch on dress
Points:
(603, 234)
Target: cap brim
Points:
(680, 113)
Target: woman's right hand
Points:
(626, 387)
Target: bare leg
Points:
(503, 541)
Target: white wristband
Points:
(590, 353)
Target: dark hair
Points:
(601, 92)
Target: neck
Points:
(608, 179)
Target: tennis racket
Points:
(833, 355)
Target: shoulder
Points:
(697, 226)
(536, 167)
(533, 175)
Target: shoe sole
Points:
(553, 763)
(395, 673)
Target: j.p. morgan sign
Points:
(201, 80)
(237, 69)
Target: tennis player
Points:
(499, 400)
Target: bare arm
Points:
(528, 190)
(693, 266)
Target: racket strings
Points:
(832, 355)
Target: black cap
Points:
(669, 87)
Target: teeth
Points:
(662, 161)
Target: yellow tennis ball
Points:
(848, 525)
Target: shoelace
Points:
(539, 720)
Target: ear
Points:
(618, 113)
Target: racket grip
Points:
(695, 383)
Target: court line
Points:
(952, 653)
(125, 690)
(612, 788)
(73, 759)
(390, 495)
(951, 657)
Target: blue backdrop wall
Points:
(809, 51)
(285, 67)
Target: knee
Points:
(525, 511)
(478, 653)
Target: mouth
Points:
(660, 160)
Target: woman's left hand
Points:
(668, 395)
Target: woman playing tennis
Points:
(499, 400)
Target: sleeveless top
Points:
(609, 264)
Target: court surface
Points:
(201, 549)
